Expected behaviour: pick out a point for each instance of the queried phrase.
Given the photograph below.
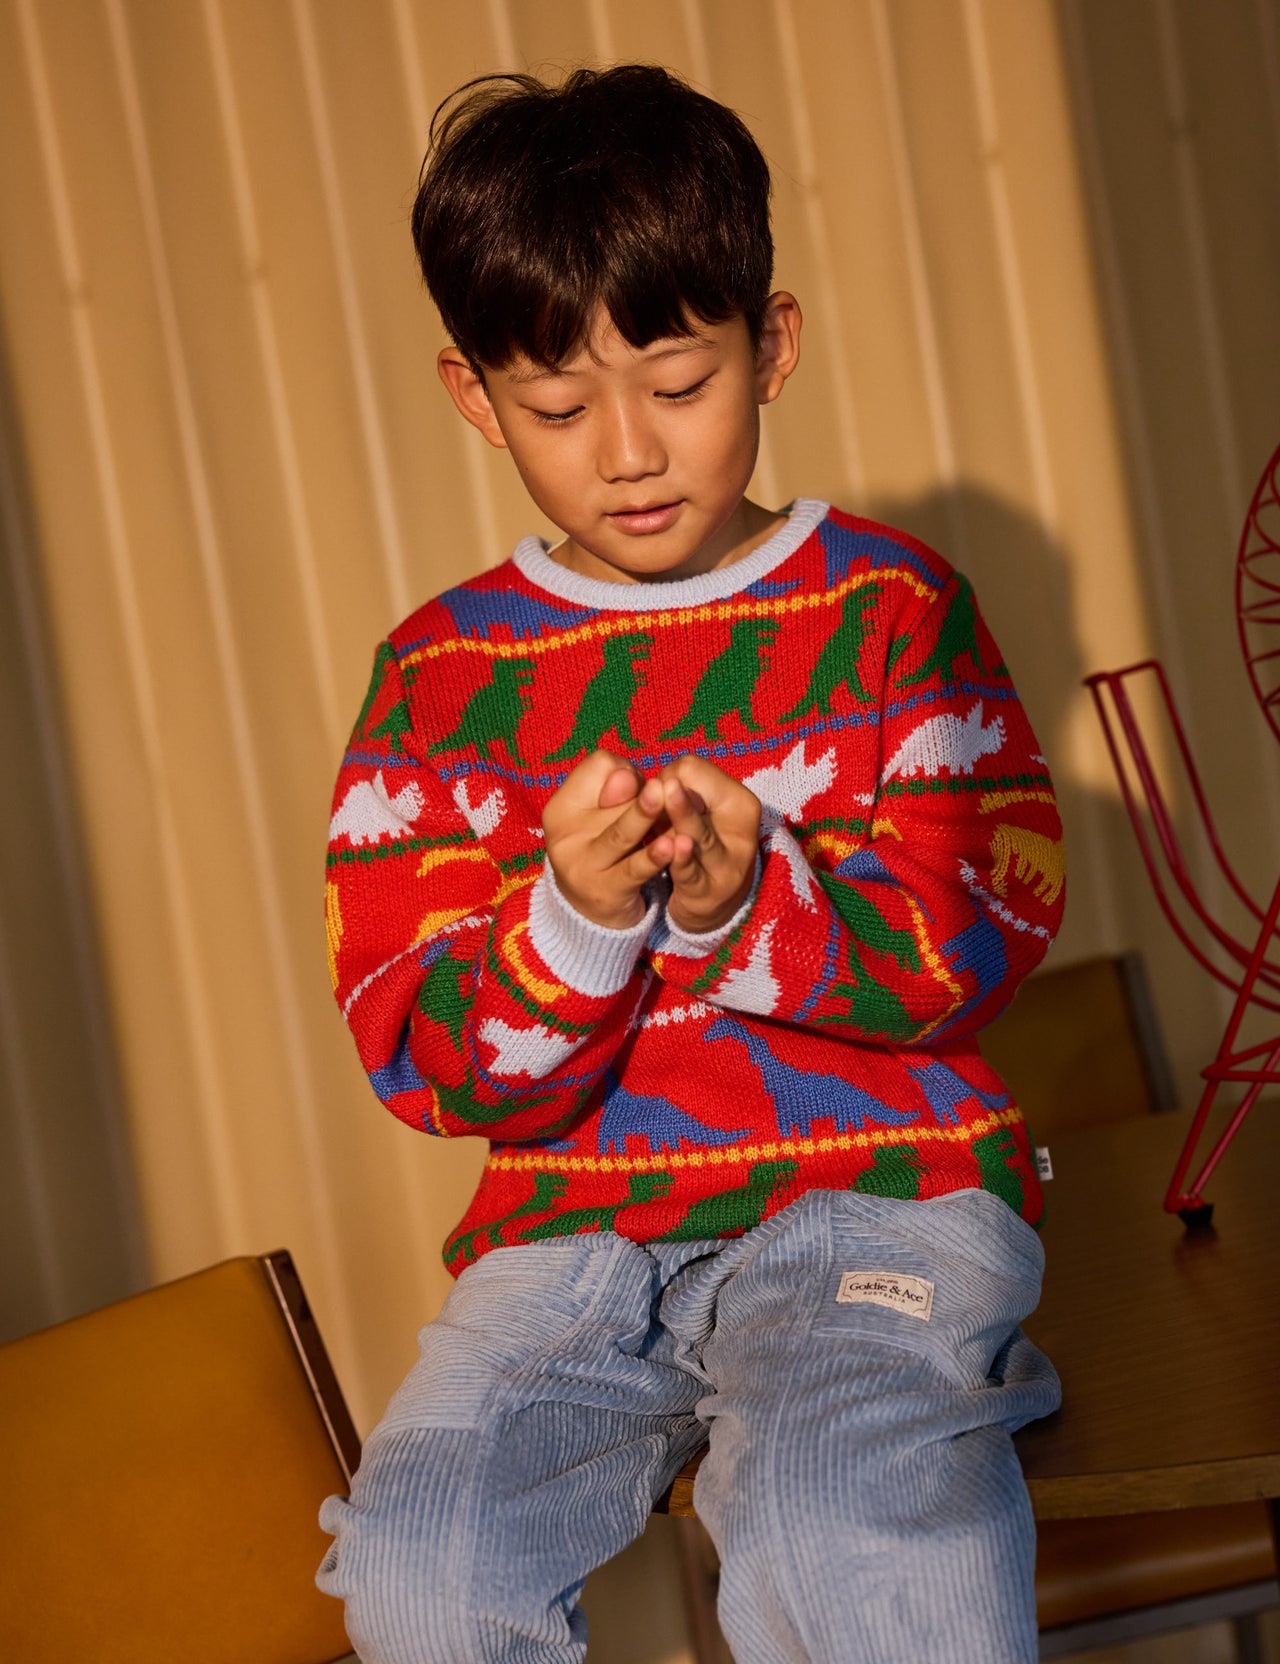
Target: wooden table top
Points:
(1167, 1341)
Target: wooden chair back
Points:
(1081, 1045)
(163, 1460)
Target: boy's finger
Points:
(644, 863)
(620, 786)
(632, 824)
(701, 776)
(584, 783)
(689, 814)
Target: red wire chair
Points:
(1253, 976)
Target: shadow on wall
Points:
(70, 1237)
(1022, 578)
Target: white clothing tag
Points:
(913, 1295)
(1044, 1167)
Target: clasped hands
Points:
(609, 831)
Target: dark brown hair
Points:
(620, 187)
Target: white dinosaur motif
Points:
(780, 841)
(786, 787)
(525, 1051)
(367, 813)
(947, 744)
(481, 817)
(754, 987)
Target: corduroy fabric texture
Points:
(861, 1484)
(665, 1086)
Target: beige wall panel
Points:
(868, 265)
(667, 32)
(375, 158)
(290, 266)
(943, 141)
(60, 370)
(551, 39)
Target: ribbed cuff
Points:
(590, 958)
(667, 937)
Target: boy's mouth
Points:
(651, 517)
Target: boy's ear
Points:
(468, 392)
(779, 349)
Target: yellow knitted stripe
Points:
(632, 623)
(732, 1155)
(937, 964)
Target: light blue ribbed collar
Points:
(531, 557)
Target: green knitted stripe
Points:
(522, 860)
(401, 846)
(963, 783)
(531, 1005)
(836, 823)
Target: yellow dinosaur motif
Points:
(991, 801)
(332, 929)
(438, 918)
(1031, 855)
(547, 992)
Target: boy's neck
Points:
(747, 528)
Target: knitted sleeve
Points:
(919, 929)
(480, 1002)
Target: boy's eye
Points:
(685, 392)
(554, 418)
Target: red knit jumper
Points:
(667, 1086)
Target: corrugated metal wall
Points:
(1038, 249)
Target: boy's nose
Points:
(629, 448)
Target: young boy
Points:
(683, 861)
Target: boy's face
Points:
(640, 455)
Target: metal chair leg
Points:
(1246, 1632)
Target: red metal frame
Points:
(1257, 977)
(1258, 591)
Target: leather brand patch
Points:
(913, 1295)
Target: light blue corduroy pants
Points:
(857, 1365)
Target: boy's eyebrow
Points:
(525, 378)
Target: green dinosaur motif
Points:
(894, 1172)
(744, 1206)
(394, 726)
(728, 682)
(386, 655)
(606, 700)
(957, 637)
(866, 923)
(872, 1006)
(548, 1188)
(641, 1187)
(997, 1158)
(441, 997)
(460, 1102)
(493, 712)
(837, 664)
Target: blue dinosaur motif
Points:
(657, 1119)
(476, 611)
(802, 1096)
(865, 864)
(842, 548)
(979, 948)
(767, 589)
(946, 1091)
(399, 1073)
